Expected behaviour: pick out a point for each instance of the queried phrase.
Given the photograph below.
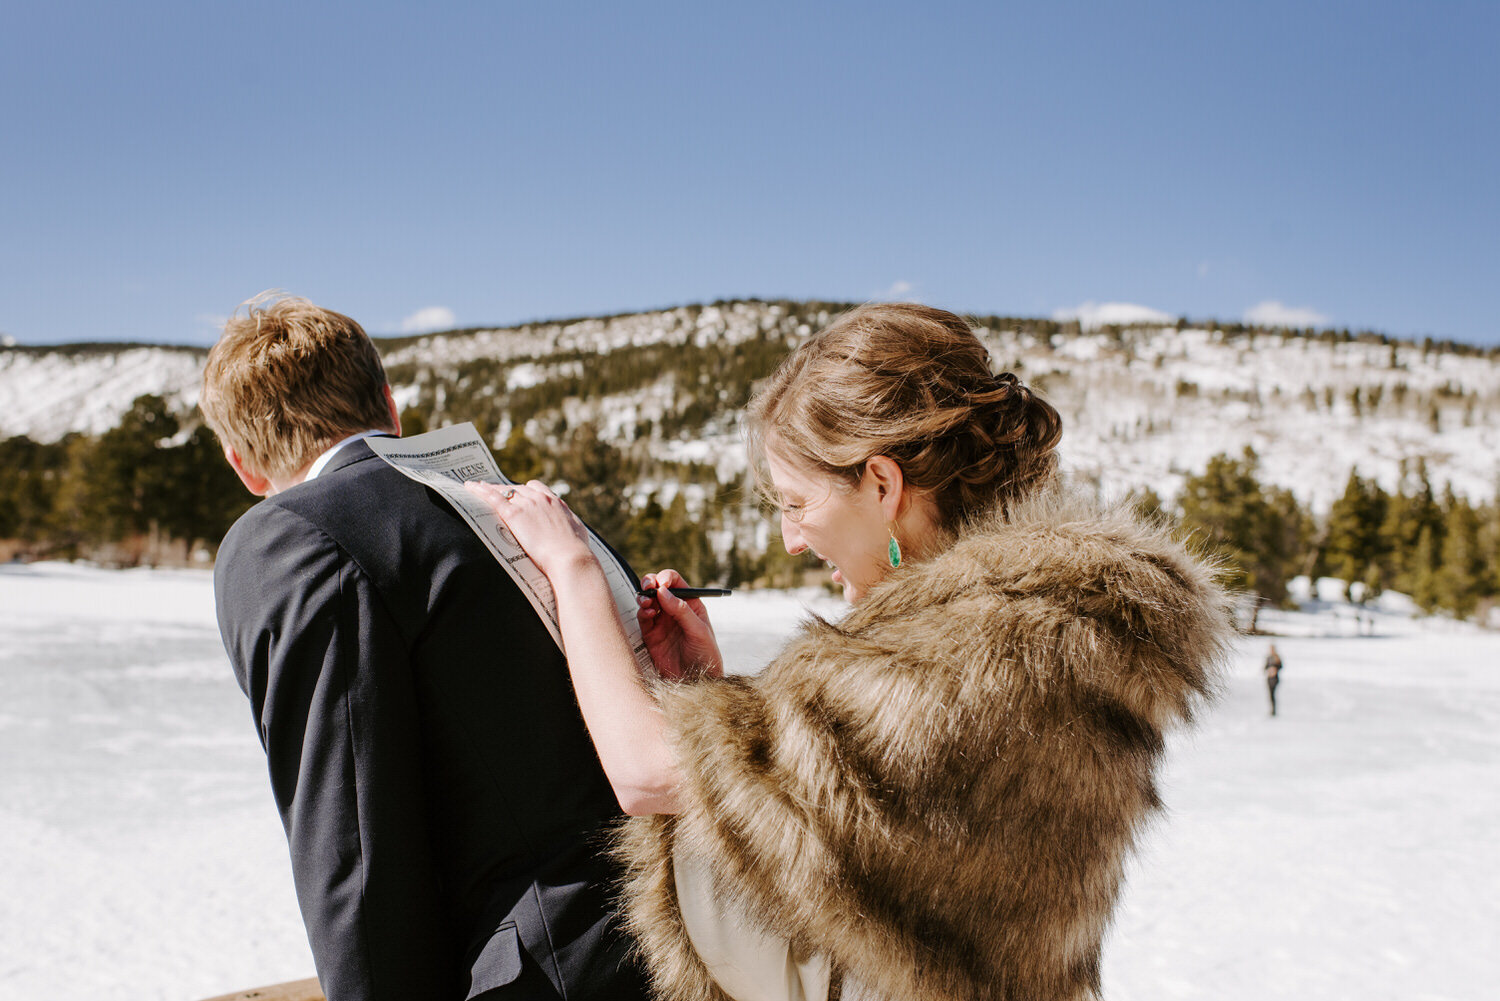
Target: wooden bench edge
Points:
(292, 990)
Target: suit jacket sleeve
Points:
(330, 682)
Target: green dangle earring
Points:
(893, 551)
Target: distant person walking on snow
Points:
(1273, 675)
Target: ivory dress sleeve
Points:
(748, 963)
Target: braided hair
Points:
(912, 383)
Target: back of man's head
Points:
(287, 379)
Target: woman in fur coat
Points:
(934, 797)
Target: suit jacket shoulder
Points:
(425, 750)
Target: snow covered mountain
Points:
(47, 392)
(1143, 406)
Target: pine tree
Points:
(598, 482)
(203, 497)
(781, 569)
(1462, 576)
(1423, 583)
(72, 503)
(521, 459)
(1356, 535)
(642, 541)
(1410, 512)
(1489, 545)
(734, 565)
(30, 473)
(138, 480)
(1260, 533)
(690, 550)
(414, 421)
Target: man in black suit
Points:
(442, 802)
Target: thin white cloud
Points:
(429, 318)
(1091, 315)
(899, 289)
(1273, 314)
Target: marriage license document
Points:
(447, 458)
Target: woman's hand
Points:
(678, 635)
(545, 527)
(624, 721)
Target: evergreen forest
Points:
(155, 488)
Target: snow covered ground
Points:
(1344, 849)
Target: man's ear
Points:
(390, 402)
(257, 484)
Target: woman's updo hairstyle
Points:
(913, 383)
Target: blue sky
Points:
(490, 163)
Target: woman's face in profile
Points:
(843, 527)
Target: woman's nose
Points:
(791, 537)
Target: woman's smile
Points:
(842, 526)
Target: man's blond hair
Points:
(287, 379)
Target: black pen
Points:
(689, 592)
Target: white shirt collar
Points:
(321, 462)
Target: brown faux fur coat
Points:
(940, 791)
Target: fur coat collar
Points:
(940, 791)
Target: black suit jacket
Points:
(442, 801)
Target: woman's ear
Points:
(889, 483)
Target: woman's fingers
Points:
(487, 492)
(689, 614)
(661, 580)
(538, 519)
(509, 498)
(678, 608)
(499, 496)
(668, 578)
